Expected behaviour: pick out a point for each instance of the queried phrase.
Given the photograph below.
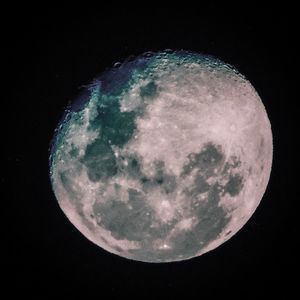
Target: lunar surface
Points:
(163, 157)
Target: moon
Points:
(163, 157)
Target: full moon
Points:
(163, 157)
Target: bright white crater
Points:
(164, 157)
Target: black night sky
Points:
(49, 54)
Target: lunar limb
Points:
(164, 157)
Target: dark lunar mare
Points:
(100, 161)
(212, 218)
(135, 220)
(149, 90)
(206, 160)
(125, 220)
(234, 185)
(186, 243)
(116, 127)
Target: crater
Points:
(261, 146)
(118, 249)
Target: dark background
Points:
(49, 54)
